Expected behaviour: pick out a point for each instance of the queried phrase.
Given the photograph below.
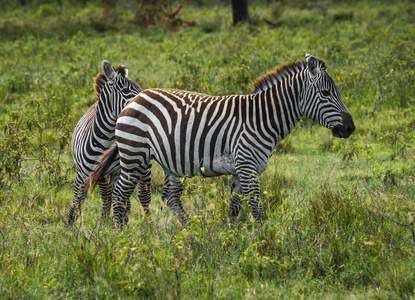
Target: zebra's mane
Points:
(280, 73)
(100, 80)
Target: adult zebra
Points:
(189, 133)
(94, 134)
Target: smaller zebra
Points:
(189, 133)
(94, 134)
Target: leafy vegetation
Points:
(340, 214)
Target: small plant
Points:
(327, 141)
(349, 152)
(26, 142)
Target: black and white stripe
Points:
(189, 133)
(95, 131)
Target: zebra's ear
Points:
(108, 70)
(312, 64)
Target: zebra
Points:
(94, 133)
(191, 134)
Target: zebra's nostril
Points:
(351, 129)
(348, 123)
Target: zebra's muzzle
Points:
(345, 129)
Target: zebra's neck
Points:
(278, 104)
(104, 125)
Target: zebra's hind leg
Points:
(106, 185)
(121, 195)
(235, 202)
(172, 193)
(144, 193)
(79, 197)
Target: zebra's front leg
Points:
(165, 193)
(250, 189)
(79, 198)
(235, 202)
(172, 192)
(106, 186)
(144, 193)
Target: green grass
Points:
(339, 213)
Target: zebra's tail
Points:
(103, 164)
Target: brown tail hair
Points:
(102, 165)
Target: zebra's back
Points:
(187, 133)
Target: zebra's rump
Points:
(82, 131)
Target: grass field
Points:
(340, 214)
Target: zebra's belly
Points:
(220, 165)
(207, 166)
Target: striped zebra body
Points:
(189, 133)
(95, 132)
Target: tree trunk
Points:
(240, 11)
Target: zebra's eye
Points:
(126, 91)
(325, 93)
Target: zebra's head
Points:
(322, 102)
(115, 89)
